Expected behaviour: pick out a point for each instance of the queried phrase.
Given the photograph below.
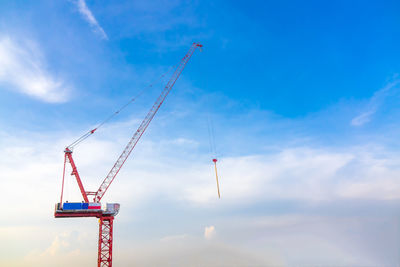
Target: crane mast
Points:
(93, 209)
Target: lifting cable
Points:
(211, 136)
(89, 133)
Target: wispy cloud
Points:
(363, 117)
(22, 68)
(373, 105)
(89, 17)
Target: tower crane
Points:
(93, 208)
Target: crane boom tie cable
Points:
(89, 133)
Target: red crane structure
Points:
(93, 209)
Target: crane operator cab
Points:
(84, 209)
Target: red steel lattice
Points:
(105, 241)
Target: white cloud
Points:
(298, 173)
(309, 175)
(89, 17)
(209, 232)
(22, 68)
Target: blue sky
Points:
(303, 96)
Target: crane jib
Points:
(134, 139)
(143, 126)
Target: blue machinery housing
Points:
(80, 206)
